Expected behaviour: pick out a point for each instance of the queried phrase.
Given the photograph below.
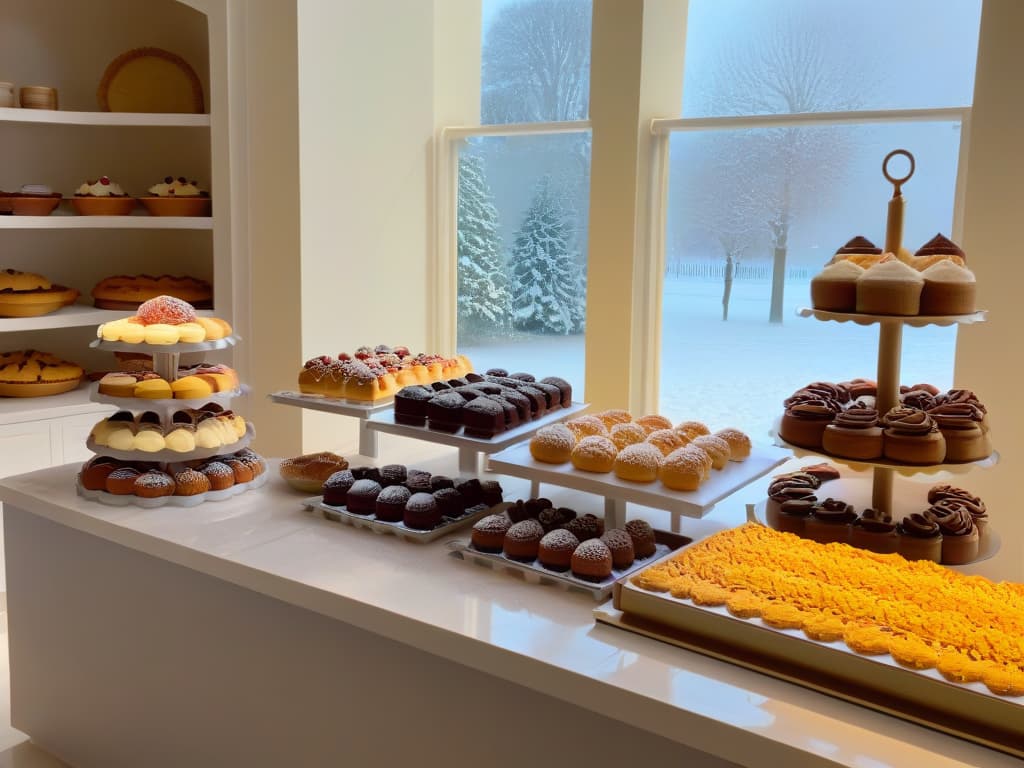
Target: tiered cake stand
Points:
(165, 364)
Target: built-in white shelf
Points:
(140, 221)
(64, 117)
(14, 410)
(72, 316)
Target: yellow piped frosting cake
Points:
(921, 614)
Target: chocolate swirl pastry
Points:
(858, 244)
(956, 415)
(918, 398)
(821, 390)
(860, 388)
(909, 421)
(931, 389)
(822, 472)
(795, 480)
(952, 518)
(799, 507)
(973, 503)
(792, 492)
(876, 521)
(919, 526)
(813, 410)
(834, 511)
(960, 396)
(857, 418)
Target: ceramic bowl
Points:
(34, 205)
(177, 206)
(102, 206)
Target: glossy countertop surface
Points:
(533, 635)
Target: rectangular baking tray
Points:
(370, 522)
(666, 543)
(969, 711)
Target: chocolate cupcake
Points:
(422, 512)
(437, 482)
(973, 503)
(335, 488)
(550, 519)
(556, 548)
(366, 473)
(418, 481)
(518, 511)
(393, 474)
(450, 502)
(492, 493)
(830, 522)
(489, 533)
(470, 490)
(522, 540)
(411, 405)
(620, 544)
(794, 514)
(960, 540)
(920, 538)
(642, 535)
(585, 527)
(391, 503)
(361, 498)
(875, 531)
(788, 488)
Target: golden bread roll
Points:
(684, 468)
(739, 443)
(614, 416)
(638, 462)
(553, 444)
(627, 434)
(692, 429)
(584, 426)
(716, 448)
(666, 440)
(653, 422)
(594, 453)
(307, 473)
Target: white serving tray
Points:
(400, 529)
(909, 470)
(180, 348)
(360, 409)
(128, 500)
(535, 573)
(518, 462)
(173, 456)
(385, 422)
(164, 406)
(916, 321)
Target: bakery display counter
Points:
(517, 462)
(287, 631)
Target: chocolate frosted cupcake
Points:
(794, 514)
(920, 538)
(921, 399)
(642, 536)
(585, 527)
(973, 503)
(804, 422)
(788, 489)
(470, 490)
(960, 425)
(854, 434)
(859, 250)
(875, 531)
(450, 502)
(912, 437)
(490, 492)
(830, 522)
(964, 396)
(550, 519)
(393, 474)
(960, 540)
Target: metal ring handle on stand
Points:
(897, 182)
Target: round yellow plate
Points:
(150, 80)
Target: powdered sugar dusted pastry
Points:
(638, 462)
(594, 454)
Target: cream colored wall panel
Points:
(24, 447)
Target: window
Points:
(523, 191)
(749, 199)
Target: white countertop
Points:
(532, 635)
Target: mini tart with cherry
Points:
(30, 373)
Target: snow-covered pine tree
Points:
(548, 287)
(484, 298)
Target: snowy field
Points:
(737, 372)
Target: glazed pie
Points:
(30, 373)
(129, 291)
(26, 294)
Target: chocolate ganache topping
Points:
(909, 421)
(857, 418)
(960, 396)
(973, 503)
(876, 521)
(813, 410)
(799, 507)
(921, 399)
(859, 244)
(952, 518)
(919, 526)
(796, 480)
(834, 511)
(940, 245)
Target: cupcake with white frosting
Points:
(889, 288)
(834, 289)
(949, 289)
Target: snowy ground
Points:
(737, 372)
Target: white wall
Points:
(375, 81)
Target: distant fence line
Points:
(707, 270)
